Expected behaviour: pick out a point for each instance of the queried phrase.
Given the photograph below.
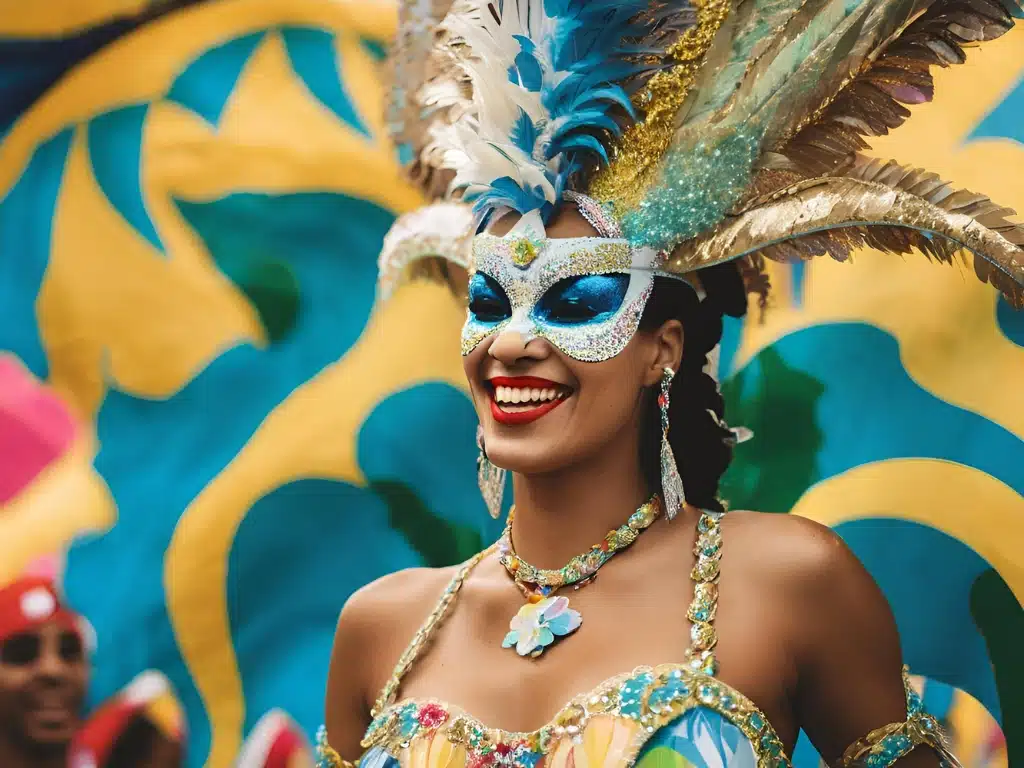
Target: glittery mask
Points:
(585, 295)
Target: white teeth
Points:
(524, 395)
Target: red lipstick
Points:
(526, 415)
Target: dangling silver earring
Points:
(671, 481)
(490, 478)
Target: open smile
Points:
(522, 399)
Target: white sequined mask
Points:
(585, 295)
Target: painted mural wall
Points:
(228, 436)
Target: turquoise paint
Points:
(1010, 321)
(115, 149)
(939, 638)
(375, 48)
(205, 85)
(317, 62)
(871, 410)
(158, 455)
(393, 445)
(1006, 121)
(298, 555)
(26, 223)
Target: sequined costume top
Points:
(677, 715)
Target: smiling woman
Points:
(622, 206)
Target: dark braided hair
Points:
(698, 442)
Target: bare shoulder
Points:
(396, 598)
(375, 625)
(379, 619)
(790, 548)
(809, 568)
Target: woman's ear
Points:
(667, 351)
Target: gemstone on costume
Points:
(703, 635)
(432, 715)
(408, 723)
(755, 721)
(524, 252)
(706, 569)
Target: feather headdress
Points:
(722, 130)
(756, 152)
(551, 83)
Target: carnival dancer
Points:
(619, 173)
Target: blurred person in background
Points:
(44, 673)
(275, 742)
(141, 727)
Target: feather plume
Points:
(777, 79)
(428, 91)
(891, 76)
(877, 204)
(547, 94)
(734, 114)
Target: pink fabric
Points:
(36, 428)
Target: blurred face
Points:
(541, 408)
(43, 677)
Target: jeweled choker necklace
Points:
(546, 617)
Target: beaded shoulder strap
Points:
(425, 632)
(701, 613)
(884, 746)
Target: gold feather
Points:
(428, 89)
(895, 74)
(877, 204)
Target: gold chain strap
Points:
(884, 746)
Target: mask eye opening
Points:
(488, 302)
(583, 299)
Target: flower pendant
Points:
(537, 625)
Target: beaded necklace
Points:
(545, 616)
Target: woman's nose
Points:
(509, 347)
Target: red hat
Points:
(146, 696)
(274, 743)
(32, 601)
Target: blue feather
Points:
(527, 71)
(524, 133)
(574, 60)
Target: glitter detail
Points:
(582, 566)
(490, 478)
(326, 757)
(671, 480)
(884, 746)
(558, 259)
(651, 697)
(441, 231)
(695, 189)
(524, 251)
(591, 210)
(625, 181)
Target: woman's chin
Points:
(529, 456)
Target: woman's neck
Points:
(564, 513)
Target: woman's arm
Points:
(850, 667)
(373, 630)
(346, 714)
